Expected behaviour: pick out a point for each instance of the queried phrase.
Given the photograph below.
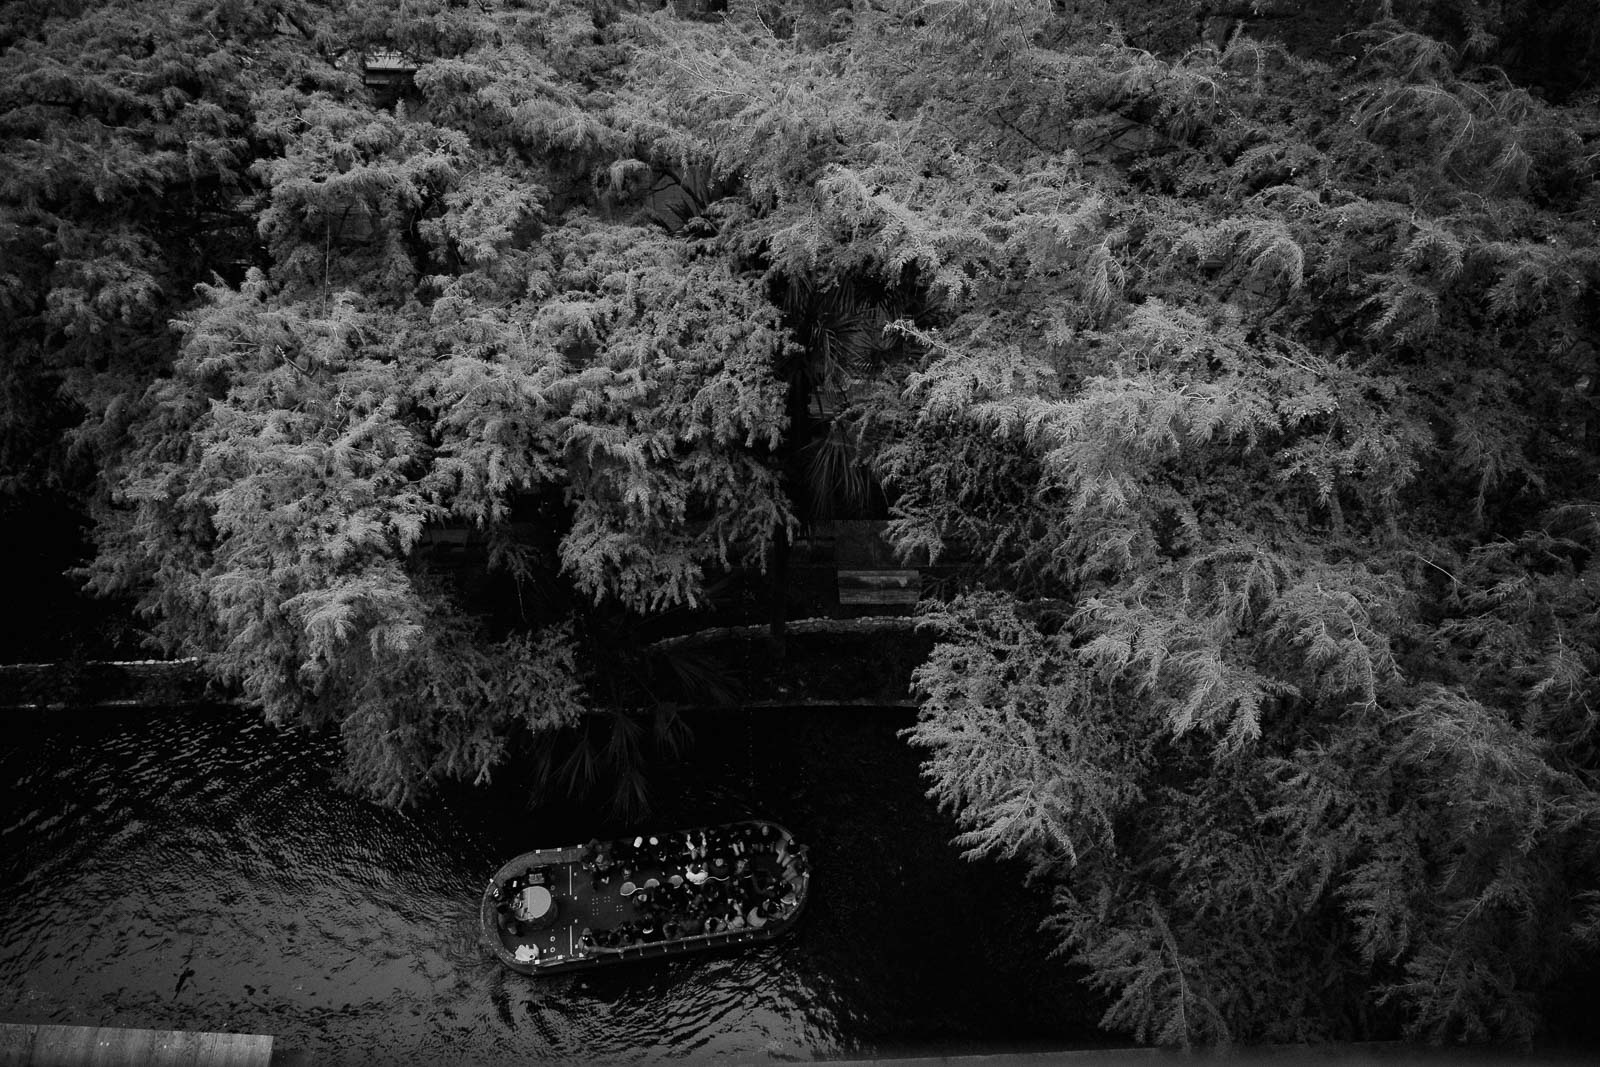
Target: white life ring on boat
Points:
(533, 903)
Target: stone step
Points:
(879, 586)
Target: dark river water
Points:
(198, 869)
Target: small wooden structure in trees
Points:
(389, 74)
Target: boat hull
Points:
(588, 899)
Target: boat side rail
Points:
(772, 925)
(665, 948)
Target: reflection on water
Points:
(199, 870)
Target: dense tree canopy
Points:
(1249, 385)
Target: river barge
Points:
(559, 910)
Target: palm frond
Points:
(835, 472)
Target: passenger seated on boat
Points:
(696, 874)
(755, 919)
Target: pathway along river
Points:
(198, 869)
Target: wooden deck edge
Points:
(48, 1045)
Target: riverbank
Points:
(105, 684)
(827, 663)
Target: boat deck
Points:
(585, 899)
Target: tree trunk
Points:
(778, 599)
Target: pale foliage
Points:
(1250, 401)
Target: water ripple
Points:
(201, 870)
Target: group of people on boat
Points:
(697, 882)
